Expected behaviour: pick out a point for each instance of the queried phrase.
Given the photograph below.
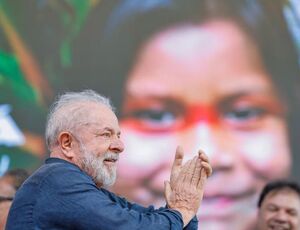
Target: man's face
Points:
(6, 187)
(104, 174)
(280, 211)
(6, 190)
(99, 145)
(4, 209)
(203, 87)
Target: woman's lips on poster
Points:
(224, 205)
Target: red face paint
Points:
(183, 119)
(201, 113)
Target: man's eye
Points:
(272, 208)
(292, 212)
(106, 134)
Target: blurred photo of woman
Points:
(221, 77)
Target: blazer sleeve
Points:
(73, 201)
(193, 224)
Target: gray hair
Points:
(67, 112)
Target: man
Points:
(279, 206)
(9, 184)
(7, 193)
(15, 177)
(67, 192)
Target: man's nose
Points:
(282, 216)
(117, 145)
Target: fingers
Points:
(197, 169)
(178, 156)
(185, 173)
(203, 156)
(205, 172)
(191, 172)
(202, 180)
(207, 167)
(177, 161)
(205, 162)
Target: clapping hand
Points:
(184, 192)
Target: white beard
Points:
(101, 174)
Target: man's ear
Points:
(66, 144)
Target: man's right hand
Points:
(184, 192)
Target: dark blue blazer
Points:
(61, 196)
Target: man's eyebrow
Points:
(108, 129)
(101, 129)
(273, 205)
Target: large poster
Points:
(221, 76)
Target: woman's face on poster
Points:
(203, 87)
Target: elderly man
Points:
(68, 191)
(279, 206)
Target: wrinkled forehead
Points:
(282, 195)
(6, 188)
(283, 191)
(95, 115)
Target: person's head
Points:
(15, 177)
(83, 129)
(7, 192)
(206, 74)
(279, 206)
(9, 184)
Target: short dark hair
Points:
(18, 176)
(276, 186)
